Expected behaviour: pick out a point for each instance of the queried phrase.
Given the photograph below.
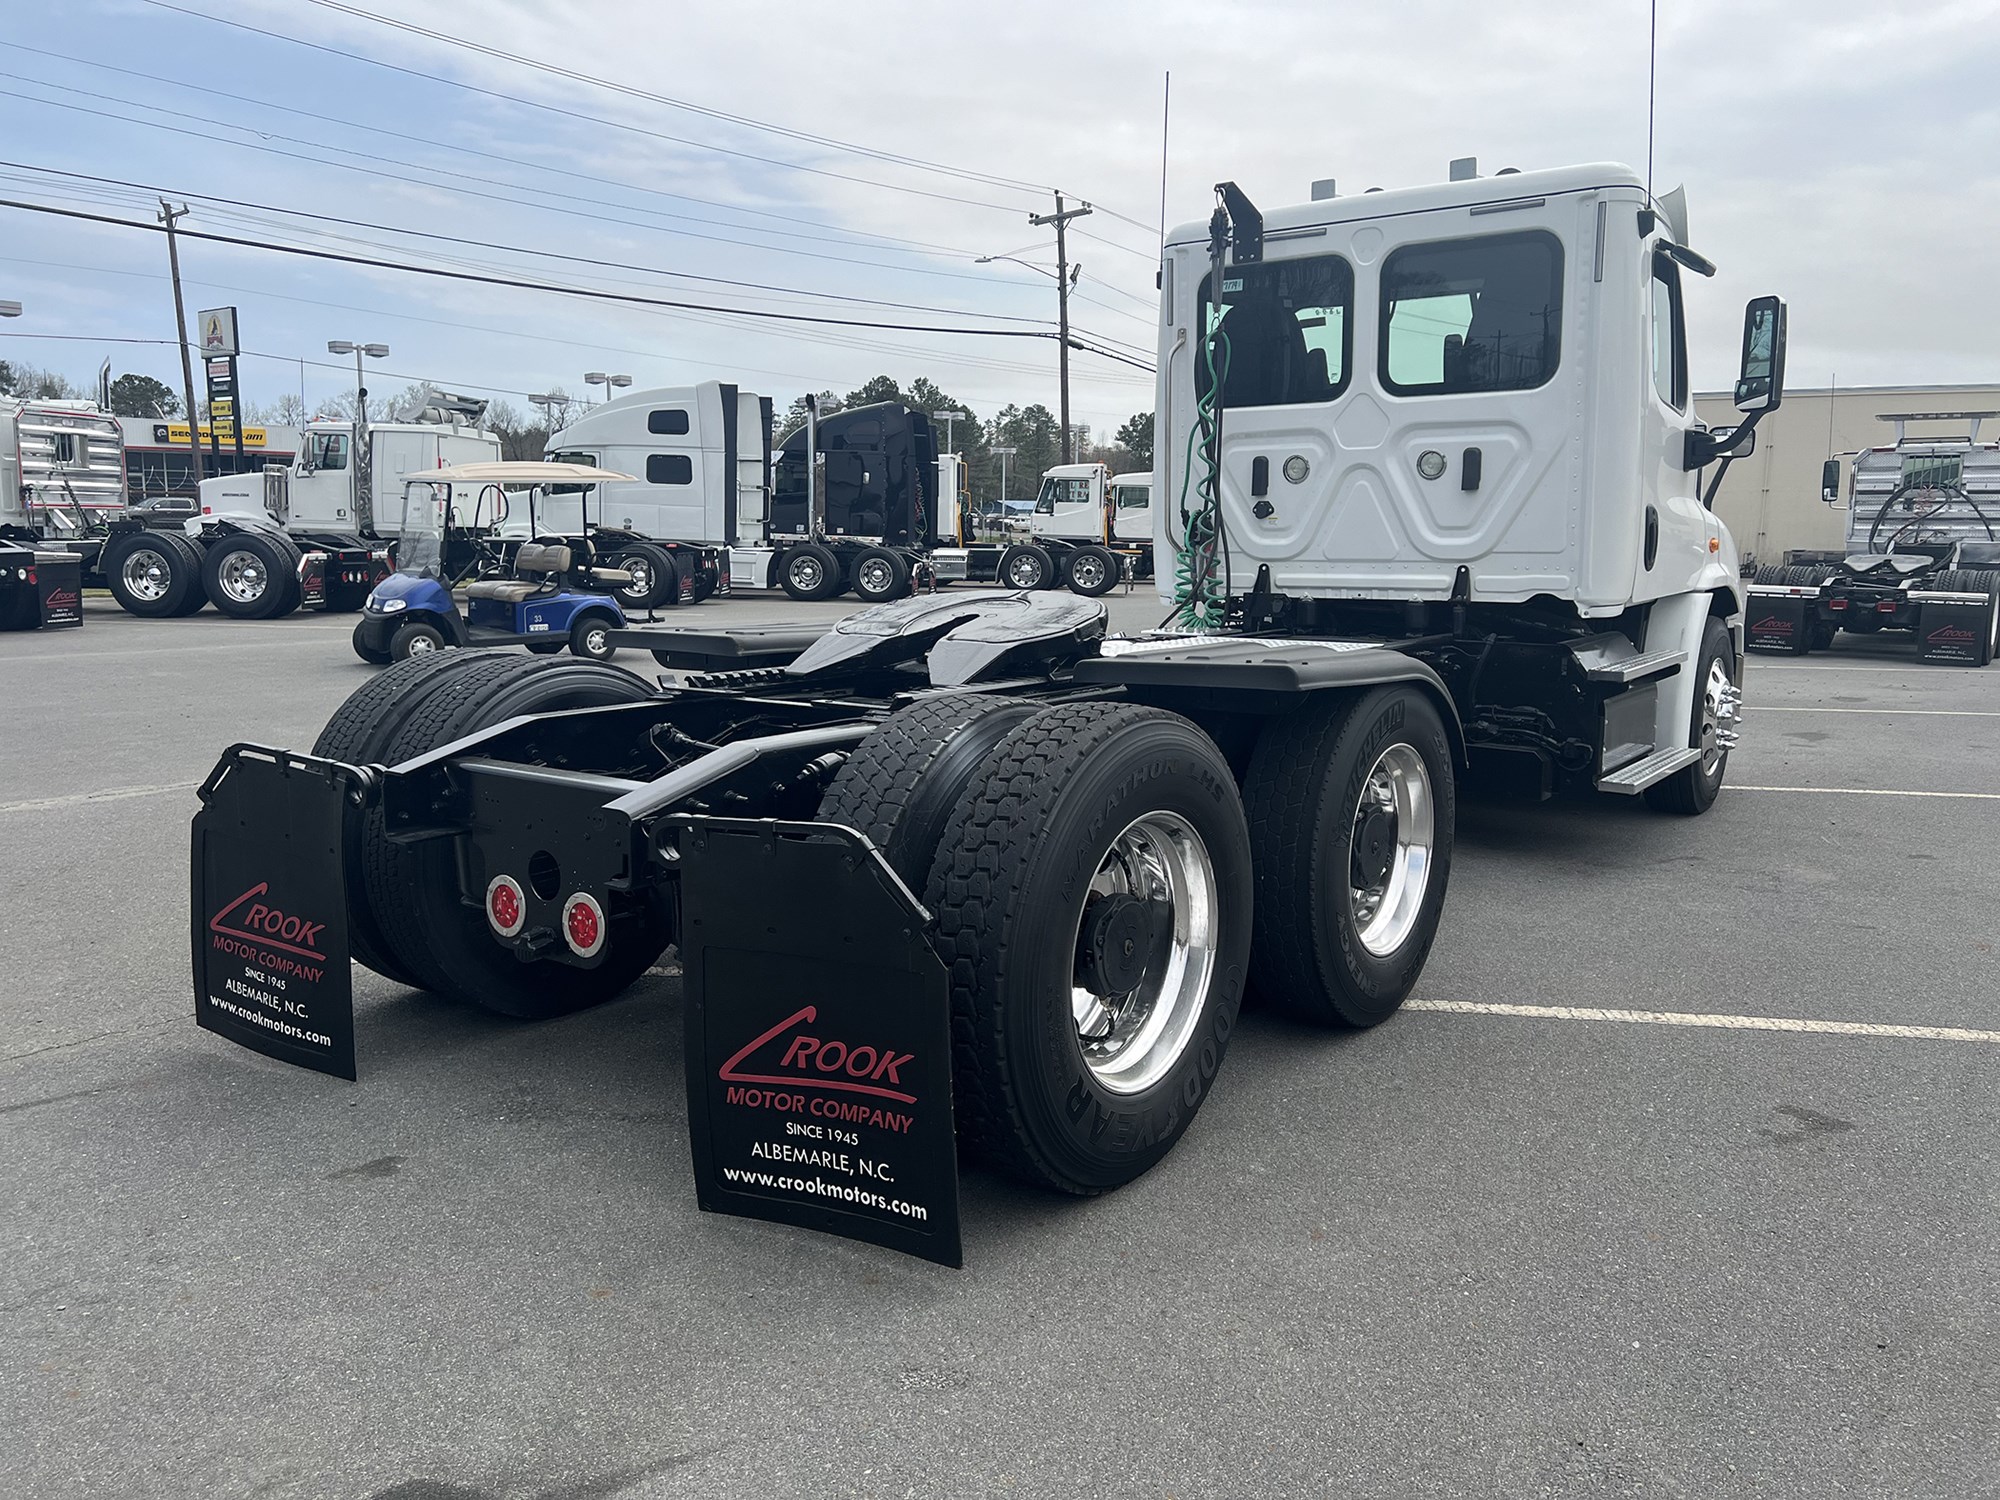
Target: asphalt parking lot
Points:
(1581, 1221)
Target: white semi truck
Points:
(719, 501)
(1089, 530)
(968, 871)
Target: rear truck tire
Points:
(372, 654)
(879, 575)
(1092, 892)
(252, 576)
(590, 637)
(1352, 804)
(902, 783)
(414, 892)
(416, 638)
(1772, 573)
(359, 733)
(811, 572)
(704, 582)
(1693, 789)
(1091, 571)
(656, 578)
(1027, 565)
(153, 574)
(1979, 581)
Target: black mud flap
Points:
(818, 1037)
(1779, 620)
(1955, 629)
(270, 907)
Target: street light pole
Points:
(1060, 219)
(949, 417)
(598, 377)
(1005, 454)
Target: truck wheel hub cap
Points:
(583, 925)
(243, 577)
(805, 572)
(1087, 571)
(874, 576)
(1145, 950)
(1025, 573)
(1390, 850)
(146, 574)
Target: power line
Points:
(592, 293)
(453, 239)
(463, 149)
(652, 98)
(510, 199)
(598, 120)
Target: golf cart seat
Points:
(536, 567)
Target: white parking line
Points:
(1906, 670)
(80, 799)
(1929, 713)
(1695, 1018)
(1867, 791)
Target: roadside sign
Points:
(218, 332)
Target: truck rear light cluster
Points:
(1836, 602)
(583, 925)
(1886, 607)
(506, 905)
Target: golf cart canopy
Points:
(518, 474)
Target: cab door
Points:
(1675, 529)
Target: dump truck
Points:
(971, 874)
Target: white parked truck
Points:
(1088, 530)
(62, 476)
(967, 871)
(721, 501)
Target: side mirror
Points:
(1829, 481)
(1760, 383)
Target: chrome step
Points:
(1632, 668)
(1643, 773)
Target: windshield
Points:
(1062, 492)
(420, 543)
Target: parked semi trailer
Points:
(1922, 560)
(966, 872)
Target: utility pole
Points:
(1060, 219)
(167, 217)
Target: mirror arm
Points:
(1705, 449)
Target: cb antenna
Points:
(1652, 86)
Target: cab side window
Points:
(329, 450)
(1670, 372)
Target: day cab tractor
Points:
(1429, 505)
(1922, 558)
(548, 595)
(1089, 530)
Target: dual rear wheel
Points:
(1092, 868)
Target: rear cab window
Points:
(1286, 332)
(1472, 315)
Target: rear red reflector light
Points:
(1836, 603)
(1886, 607)
(506, 905)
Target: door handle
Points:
(1260, 476)
(1469, 469)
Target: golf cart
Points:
(543, 593)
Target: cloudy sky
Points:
(854, 161)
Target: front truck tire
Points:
(1692, 789)
(1092, 895)
(1351, 801)
(436, 939)
(154, 574)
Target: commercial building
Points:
(1771, 500)
(157, 461)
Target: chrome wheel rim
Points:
(146, 574)
(242, 576)
(1390, 849)
(806, 572)
(873, 576)
(1716, 690)
(642, 577)
(1025, 571)
(1150, 914)
(1087, 572)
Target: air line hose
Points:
(1201, 551)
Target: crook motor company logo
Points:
(793, 1069)
(1951, 635)
(251, 919)
(1772, 625)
